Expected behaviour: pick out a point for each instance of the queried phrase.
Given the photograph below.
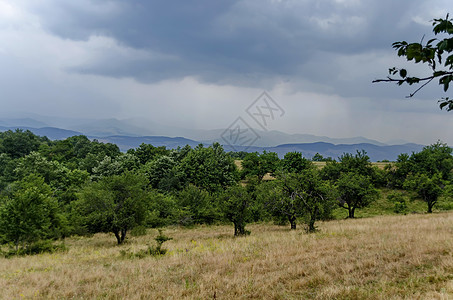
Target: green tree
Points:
(7, 166)
(209, 168)
(147, 152)
(198, 204)
(358, 163)
(432, 160)
(435, 53)
(19, 143)
(317, 157)
(114, 204)
(61, 151)
(35, 163)
(90, 161)
(163, 174)
(293, 162)
(301, 195)
(115, 166)
(398, 172)
(279, 203)
(107, 149)
(235, 203)
(429, 188)
(63, 181)
(30, 214)
(255, 164)
(355, 191)
(163, 210)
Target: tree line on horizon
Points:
(50, 190)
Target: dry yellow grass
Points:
(392, 257)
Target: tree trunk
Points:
(118, 237)
(123, 235)
(292, 220)
(311, 225)
(430, 207)
(239, 229)
(351, 212)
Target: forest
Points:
(51, 190)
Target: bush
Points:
(196, 206)
(30, 214)
(399, 202)
(151, 250)
(39, 247)
(162, 210)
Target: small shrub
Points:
(160, 239)
(399, 202)
(151, 250)
(38, 247)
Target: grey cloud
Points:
(231, 41)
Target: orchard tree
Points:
(436, 53)
(427, 187)
(301, 195)
(435, 159)
(355, 191)
(279, 203)
(234, 204)
(317, 197)
(358, 163)
(114, 204)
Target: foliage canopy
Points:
(436, 53)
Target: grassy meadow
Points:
(385, 257)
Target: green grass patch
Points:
(382, 206)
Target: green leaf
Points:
(430, 41)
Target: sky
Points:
(202, 64)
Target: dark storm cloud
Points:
(231, 41)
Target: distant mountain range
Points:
(129, 134)
(128, 142)
(51, 132)
(308, 150)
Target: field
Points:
(386, 257)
